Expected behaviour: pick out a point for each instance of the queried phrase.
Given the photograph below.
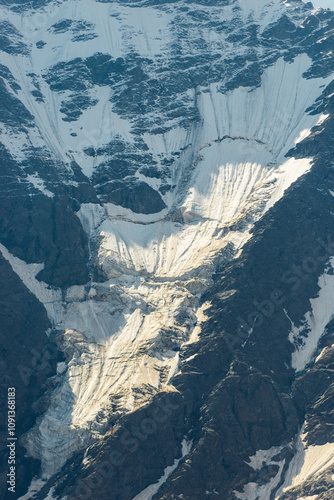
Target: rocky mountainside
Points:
(167, 248)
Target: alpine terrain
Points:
(167, 249)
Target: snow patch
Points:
(90, 215)
(262, 458)
(49, 296)
(39, 184)
(117, 348)
(201, 318)
(308, 462)
(35, 486)
(306, 337)
(158, 267)
(61, 367)
(120, 336)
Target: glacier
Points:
(121, 336)
(115, 328)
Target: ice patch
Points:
(117, 349)
(61, 367)
(93, 320)
(201, 318)
(273, 115)
(49, 296)
(313, 497)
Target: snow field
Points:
(121, 336)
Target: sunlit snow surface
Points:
(148, 493)
(121, 335)
(35, 486)
(254, 491)
(324, 4)
(314, 323)
(308, 462)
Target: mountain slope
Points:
(167, 196)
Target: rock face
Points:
(166, 233)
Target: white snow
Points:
(35, 485)
(105, 337)
(75, 293)
(308, 462)
(158, 267)
(61, 367)
(50, 495)
(49, 296)
(285, 175)
(93, 320)
(149, 32)
(252, 490)
(325, 351)
(273, 115)
(15, 142)
(314, 322)
(98, 124)
(90, 215)
(243, 147)
(232, 164)
(148, 493)
(39, 184)
(313, 497)
(201, 317)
